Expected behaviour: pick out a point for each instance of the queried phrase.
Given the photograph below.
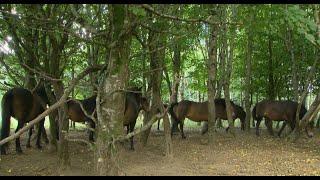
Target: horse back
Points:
(25, 105)
(277, 110)
(75, 112)
(195, 111)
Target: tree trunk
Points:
(247, 83)
(212, 73)
(155, 41)
(271, 89)
(228, 74)
(294, 71)
(63, 149)
(111, 95)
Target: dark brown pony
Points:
(277, 111)
(133, 105)
(196, 111)
(76, 114)
(239, 113)
(24, 106)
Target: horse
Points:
(197, 111)
(76, 114)
(134, 103)
(24, 106)
(239, 113)
(277, 111)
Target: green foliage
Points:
(34, 24)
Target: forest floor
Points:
(244, 154)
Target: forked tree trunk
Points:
(111, 96)
(212, 73)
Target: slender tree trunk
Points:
(271, 88)
(228, 74)
(63, 148)
(212, 73)
(247, 83)
(157, 40)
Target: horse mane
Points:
(222, 102)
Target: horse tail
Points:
(6, 106)
(302, 112)
(171, 112)
(254, 115)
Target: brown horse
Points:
(239, 113)
(24, 106)
(133, 105)
(76, 114)
(277, 111)
(197, 111)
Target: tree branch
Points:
(150, 9)
(59, 103)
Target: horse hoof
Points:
(184, 137)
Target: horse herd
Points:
(25, 105)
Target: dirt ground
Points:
(245, 154)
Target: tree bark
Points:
(271, 88)
(247, 83)
(111, 95)
(212, 73)
(228, 74)
(63, 149)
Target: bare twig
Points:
(150, 9)
(40, 73)
(142, 129)
(86, 112)
(9, 70)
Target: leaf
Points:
(139, 12)
(310, 37)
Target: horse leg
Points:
(181, 128)
(44, 134)
(282, 128)
(158, 125)
(243, 124)
(257, 126)
(92, 126)
(29, 138)
(268, 123)
(132, 124)
(204, 128)
(18, 146)
(38, 143)
(173, 126)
